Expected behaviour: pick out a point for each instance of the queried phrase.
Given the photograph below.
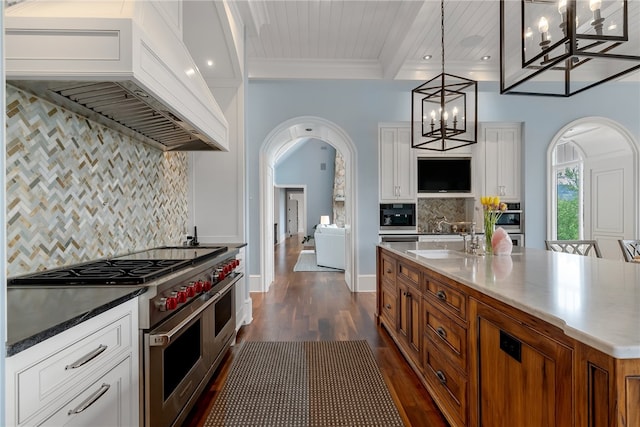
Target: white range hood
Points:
(119, 62)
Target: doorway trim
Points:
(628, 138)
(279, 140)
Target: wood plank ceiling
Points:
(369, 39)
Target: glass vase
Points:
(489, 228)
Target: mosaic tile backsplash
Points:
(78, 191)
(430, 211)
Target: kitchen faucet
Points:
(439, 224)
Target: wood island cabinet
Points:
(530, 372)
(488, 364)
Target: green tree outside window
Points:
(568, 203)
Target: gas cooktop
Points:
(132, 269)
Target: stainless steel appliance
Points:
(187, 318)
(398, 238)
(398, 216)
(512, 219)
(517, 239)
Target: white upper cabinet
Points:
(502, 160)
(397, 164)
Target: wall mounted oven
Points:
(398, 216)
(512, 219)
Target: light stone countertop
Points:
(595, 301)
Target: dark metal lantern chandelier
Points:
(563, 47)
(444, 110)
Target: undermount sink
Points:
(438, 253)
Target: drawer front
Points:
(447, 298)
(450, 337)
(389, 307)
(388, 268)
(409, 273)
(62, 369)
(106, 402)
(449, 385)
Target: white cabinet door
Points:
(397, 165)
(502, 161)
(406, 178)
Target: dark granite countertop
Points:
(35, 314)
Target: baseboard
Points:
(255, 283)
(366, 283)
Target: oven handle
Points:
(163, 339)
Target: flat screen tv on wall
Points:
(444, 175)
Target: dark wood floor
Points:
(315, 306)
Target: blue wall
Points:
(358, 107)
(302, 167)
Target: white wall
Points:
(358, 106)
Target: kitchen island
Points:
(535, 338)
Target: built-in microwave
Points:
(512, 219)
(398, 216)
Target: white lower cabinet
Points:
(93, 365)
(107, 402)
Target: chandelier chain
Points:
(442, 32)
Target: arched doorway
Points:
(281, 139)
(593, 179)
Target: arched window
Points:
(567, 221)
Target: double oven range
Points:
(186, 317)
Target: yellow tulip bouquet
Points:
(492, 209)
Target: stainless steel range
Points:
(187, 317)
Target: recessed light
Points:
(210, 63)
(427, 57)
(486, 58)
(190, 72)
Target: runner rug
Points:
(330, 383)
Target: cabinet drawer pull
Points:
(441, 295)
(441, 331)
(389, 271)
(90, 400)
(87, 358)
(408, 294)
(388, 306)
(441, 377)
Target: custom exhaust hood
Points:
(119, 62)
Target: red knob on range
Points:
(227, 268)
(236, 262)
(191, 290)
(206, 286)
(171, 303)
(220, 274)
(182, 294)
(199, 286)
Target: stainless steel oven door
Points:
(511, 221)
(224, 321)
(182, 353)
(177, 357)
